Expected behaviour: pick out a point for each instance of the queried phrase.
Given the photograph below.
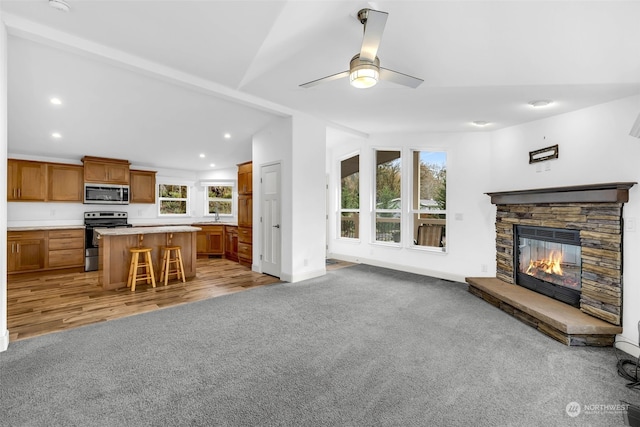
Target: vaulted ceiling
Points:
(161, 82)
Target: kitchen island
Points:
(114, 245)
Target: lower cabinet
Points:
(245, 246)
(210, 240)
(25, 251)
(43, 250)
(231, 243)
(66, 248)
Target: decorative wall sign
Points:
(543, 154)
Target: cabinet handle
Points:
(18, 193)
(17, 248)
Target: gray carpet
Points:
(361, 346)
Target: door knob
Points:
(276, 226)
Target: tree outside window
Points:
(173, 199)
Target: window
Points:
(173, 199)
(429, 198)
(350, 197)
(219, 199)
(388, 202)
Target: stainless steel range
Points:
(93, 220)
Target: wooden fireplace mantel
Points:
(614, 192)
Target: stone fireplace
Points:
(570, 242)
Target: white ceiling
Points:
(159, 82)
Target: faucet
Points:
(217, 217)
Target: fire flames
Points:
(551, 265)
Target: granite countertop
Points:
(145, 230)
(46, 227)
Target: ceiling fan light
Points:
(363, 74)
(364, 78)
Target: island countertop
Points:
(114, 254)
(122, 231)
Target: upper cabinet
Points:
(65, 183)
(143, 186)
(26, 180)
(245, 178)
(105, 171)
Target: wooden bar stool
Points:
(136, 264)
(172, 256)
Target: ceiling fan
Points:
(364, 68)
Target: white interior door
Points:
(271, 231)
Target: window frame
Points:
(161, 199)
(234, 197)
(413, 191)
(342, 210)
(399, 211)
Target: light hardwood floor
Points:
(55, 302)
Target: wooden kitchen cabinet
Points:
(142, 186)
(245, 211)
(65, 183)
(245, 214)
(106, 171)
(245, 178)
(26, 181)
(66, 248)
(210, 240)
(25, 251)
(231, 242)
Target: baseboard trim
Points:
(292, 278)
(399, 267)
(4, 341)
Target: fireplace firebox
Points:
(548, 261)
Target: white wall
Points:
(4, 332)
(594, 147)
(471, 217)
(298, 144)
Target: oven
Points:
(93, 220)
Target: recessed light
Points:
(227, 135)
(56, 101)
(213, 165)
(202, 156)
(60, 5)
(480, 123)
(56, 135)
(540, 103)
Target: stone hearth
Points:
(596, 212)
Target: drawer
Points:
(66, 258)
(245, 250)
(65, 234)
(15, 235)
(245, 234)
(70, 243)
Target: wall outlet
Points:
(484, 268)
(630, 224)
(306, 262)
(52, 212)
(547, 166)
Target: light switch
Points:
(459, 217)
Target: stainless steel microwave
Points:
(106, 194)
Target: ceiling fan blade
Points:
(373, 28)
(399, 78)
(325, 79)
